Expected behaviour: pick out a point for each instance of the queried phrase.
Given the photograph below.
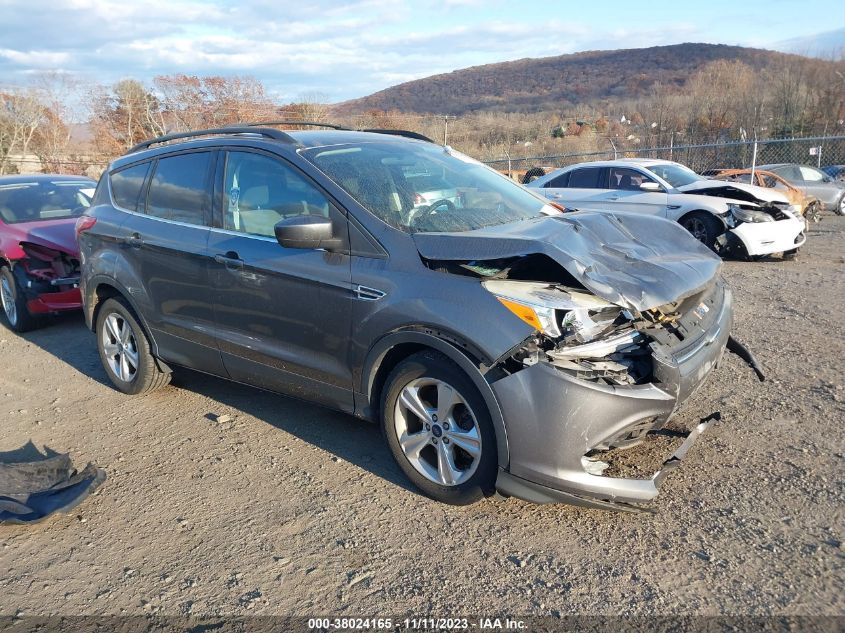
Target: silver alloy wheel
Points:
(8, 297)
(697, 228)
(437, 431)
(842, 206)
(120, 347)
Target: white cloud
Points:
(343, 50)
(35, 59)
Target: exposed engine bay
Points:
(581, 334)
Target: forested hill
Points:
(545, 83)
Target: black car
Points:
(498, 342)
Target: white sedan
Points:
(730, 218)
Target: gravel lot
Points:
(291, 508)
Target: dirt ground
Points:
(293, 509)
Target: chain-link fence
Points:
(817, 151)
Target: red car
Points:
(39, 257)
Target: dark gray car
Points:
(501, 344)
(829, 191)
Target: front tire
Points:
(125, 350)
(14, 303)
(439, 429)
(703, 227)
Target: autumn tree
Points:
(124, 115)
(190, 102)
(59, 95)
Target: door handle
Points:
(612, 198)
(230, 260)
(134, 240)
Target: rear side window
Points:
(559, 182)
(179, 188)
(585, 178)
(811, 175)
(127, 184)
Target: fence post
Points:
(754, 158)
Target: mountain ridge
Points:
(537, 84)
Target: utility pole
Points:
(446, 130)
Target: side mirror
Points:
(307, 231)
(650, 186)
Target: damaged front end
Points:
(49, 279)
(629, 314)
(594, 378)
(755, 231)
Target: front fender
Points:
(423, 336)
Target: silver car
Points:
(830, 192)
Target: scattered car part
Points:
(42, 484)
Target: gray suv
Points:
(501, 344)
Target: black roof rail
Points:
(405, 133)
(288, 122)
(268, 132)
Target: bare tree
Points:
(21, 113)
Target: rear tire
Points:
(840, 208)
(14, 304)
(703, 227)
(533, 174)
(125, 350)
(439, 429)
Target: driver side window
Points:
(258, 191)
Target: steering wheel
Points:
(432, 209)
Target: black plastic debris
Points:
(35, 484)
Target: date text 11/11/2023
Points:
(415, 624)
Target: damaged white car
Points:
(730, 218)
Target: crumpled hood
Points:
(761, 193)
(60, 236)
(634, 261)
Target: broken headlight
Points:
(554, 310)
(750, 215)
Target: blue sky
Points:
(346, 50)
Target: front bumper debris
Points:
(510, 485)
(554, 420)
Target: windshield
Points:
(675, 175)
(395, 182)
(44, 200)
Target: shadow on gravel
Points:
(348, 438)
(66, 337)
